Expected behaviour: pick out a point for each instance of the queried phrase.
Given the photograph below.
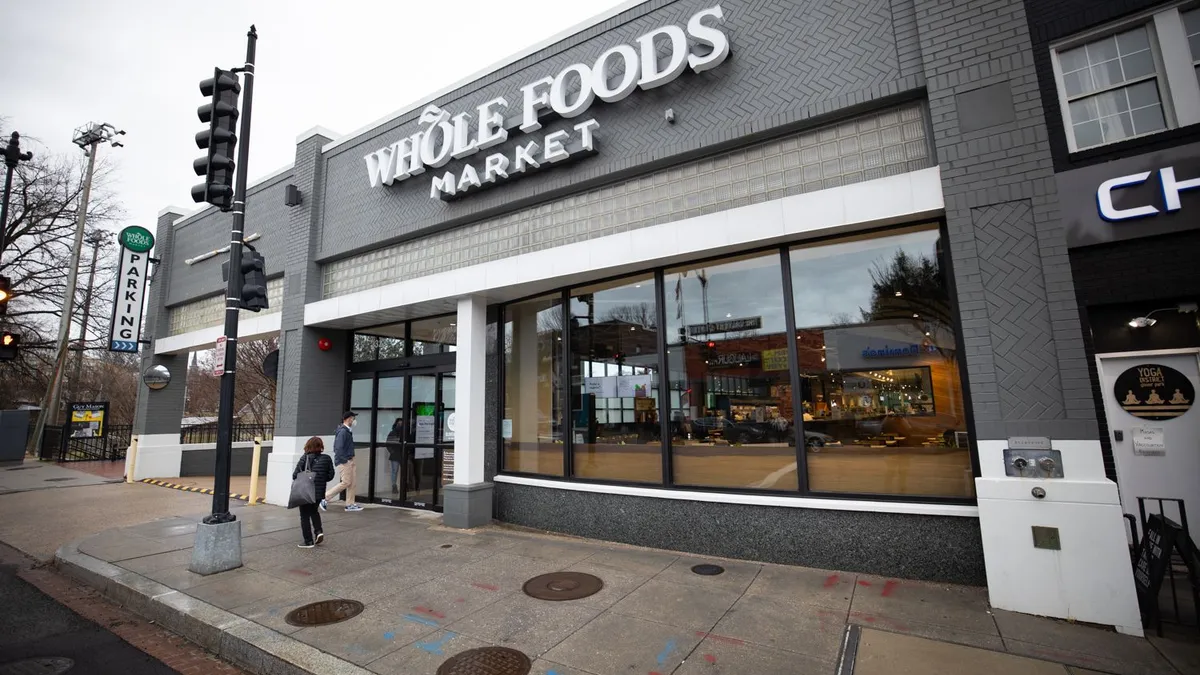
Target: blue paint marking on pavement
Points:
(389, 635)
(435, 646)
(421, 620)
(666, 652)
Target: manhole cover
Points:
(708, 570)
(486, 661)
(324, 613)
(563, 586)
(46, 665)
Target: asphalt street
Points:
(34, 626)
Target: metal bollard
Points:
(129, 475)
(254, 470)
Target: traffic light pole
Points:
(233, 294)
(12, 155)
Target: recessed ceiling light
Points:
(899, 294)
(727, 315)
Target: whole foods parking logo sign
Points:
(612, 76)
(1154, 392)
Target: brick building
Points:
(786, 280)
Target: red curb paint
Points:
(720, 638)
(486, 587)
(710, 658)
(889, 586)
(430, 612)
(863, 583)
(832, 580)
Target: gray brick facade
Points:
(159, 412)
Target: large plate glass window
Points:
(381, 342)
(434, 336)
(532, 426)
(615, 422)
(731, 399)
(881, 390)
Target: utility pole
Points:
(88, 137)
(97, 239)
(218, 545)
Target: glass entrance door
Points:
(412, 430)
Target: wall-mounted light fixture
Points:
(291, 195)
(1146, 321)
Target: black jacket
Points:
(321, 466)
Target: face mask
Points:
(353, 422)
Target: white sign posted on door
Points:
(1148, 441)
(126, 328)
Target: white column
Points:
(1089, 578)
(158, 456)
(285, 454)
(470, 445)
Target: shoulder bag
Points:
(304, 487)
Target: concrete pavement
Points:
(36, 475)
(431, 592)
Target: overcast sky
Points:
(137, 64)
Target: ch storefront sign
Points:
(1169, 183)
(445, 136)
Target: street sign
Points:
(136, 238)
(126, 328)
(219, 358)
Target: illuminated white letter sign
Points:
(1171, 187)
(444, 136)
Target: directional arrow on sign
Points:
(124, 346)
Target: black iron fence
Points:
(58, 447)
(207, 433)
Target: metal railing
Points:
(242, 433)
(61, 448)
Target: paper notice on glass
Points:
(506, 428)
(1148, 441)
(603, 387)
(424, 429)
(634, 386)
(422, 453)
(448, 428)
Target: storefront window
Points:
(731, 399)
(383, 342)
(880, 386)
(532, 425)
(615, 424)
(434, 336)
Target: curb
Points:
(199, 490)
(242, 642)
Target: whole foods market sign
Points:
(570, 93)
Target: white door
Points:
(1150, 405)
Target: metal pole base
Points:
(218, 547)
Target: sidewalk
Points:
(431, 592)
(33, 474)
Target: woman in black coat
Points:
(318, 462)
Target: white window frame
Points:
(1174, 69)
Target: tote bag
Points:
(304, 487)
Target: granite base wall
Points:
(204, 462)
(931, 548)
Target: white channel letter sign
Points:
(1171, 187)
(126, 328)
(445, 136)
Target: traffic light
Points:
(254, 281)
(220, 139)
(5, 294)
(9, 343)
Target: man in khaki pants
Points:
(343, 461)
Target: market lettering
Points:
(570, 93)
(1171, 187)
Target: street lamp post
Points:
(88, 137)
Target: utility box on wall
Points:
(14, 433)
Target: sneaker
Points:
(354, 507)
(320, 537)
(324, 505)
(305, 545)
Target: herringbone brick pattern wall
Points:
(792, 60)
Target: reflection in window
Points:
(614, 383)
(434, 336)
(532, 426)
(731, 399)
(880, 386)
(384, 342)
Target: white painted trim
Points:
(205, 338)
(751, 499)
(1149, 352)
(180, 222)
(316, 131)
(175, 210)
(553, 39)
(904, 198)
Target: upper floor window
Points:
(1128, 82)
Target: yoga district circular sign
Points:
(1152, 391)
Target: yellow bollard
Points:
(254, 470)
(133, 443)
